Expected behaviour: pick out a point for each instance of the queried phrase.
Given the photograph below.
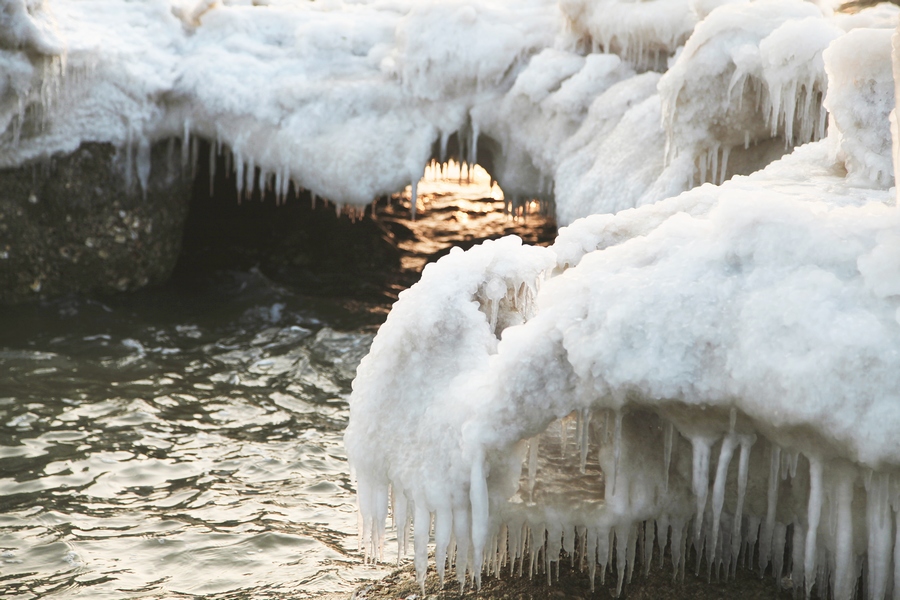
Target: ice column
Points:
(895, 133)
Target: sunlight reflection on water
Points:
(147, 450)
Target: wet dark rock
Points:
(81, 223)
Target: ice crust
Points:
(712, 371)
(351, 100)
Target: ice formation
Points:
(706, 358)
(351, 100)
(713, 371)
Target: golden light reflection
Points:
(453, 178)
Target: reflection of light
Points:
(459, 180)
(533, 205)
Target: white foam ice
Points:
(726, 356)
(351, 100)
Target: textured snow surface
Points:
(564, 102)
(714, 370)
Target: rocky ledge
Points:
(82, 223)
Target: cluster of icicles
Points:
(250, 178)
(823, 527)
(793, 112)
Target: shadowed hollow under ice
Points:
(707, 357)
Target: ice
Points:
(727, 280)
(857, 61)
(729, 443)
(350, 100)
(766, 543)
(644, 33)
(812, 519)
(728, 353)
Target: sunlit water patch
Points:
(177, 445)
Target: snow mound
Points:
(721, 364)
(351, 100)
(714, 373)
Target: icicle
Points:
(700, 480)
(662, 538)
(239, 177)
(797, 555)
(743, 470)
(186, 145)
(677, 548)
(896, 594)
(714, 178)
(568, 543)
(143, 164)
(212, 169)
(581, 535)
(844, 556)
(585, 442)
(649, 536)
(554, 545)
(563, 436)
(478, 496)
(617, 449)
(413, 200)
(668, 437)
(502, 544)
(473, 155)
(278, 186)
(532, 465)
(462, 531)
(422, 528)
(401, 522)
(725, 154)
(591, 552)
(779, 541)
(632, 548)
(604, 547)
(878, 522)
(814, 512)
(750, 544)
(718, 499)
(443, 528)
(621, 554)
(794, 458)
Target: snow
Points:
(707, 355)
(725, 358)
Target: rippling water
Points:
(186, 442)
(177, 444)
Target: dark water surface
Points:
(186, 442)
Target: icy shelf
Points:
(595, 107)
(715, 372)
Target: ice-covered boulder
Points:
(714, 373)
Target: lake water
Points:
(187, 441)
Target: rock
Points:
(81, 223)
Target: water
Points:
(170, 445)
(187, 441)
